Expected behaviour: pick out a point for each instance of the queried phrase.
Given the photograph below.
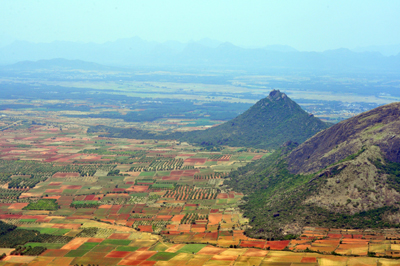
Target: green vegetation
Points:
(392, 169)
(11, 237)
(85, 204)
(43, 204)
(266, 125)
(275, 198)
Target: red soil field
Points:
(145, 228)
(278, 245)
(214, 218)
(54, 191)
(252, 252)
(137, 188)
(253, 244)
(64, 175)
(117, 254)
(163, 217)
(139, 255)
(210, 250)
(195, 160)
(55, 183)
(308, 260)
(123, 216)
(119, 236)
(17, 206)
(75, 243)
(105, 206)
(95, 240)
(177, 218)
(222, 196)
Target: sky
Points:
(307, 25)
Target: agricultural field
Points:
(69, 197)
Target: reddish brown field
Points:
(65, 175)
(119, 236)
(117, 254)
(17, 206)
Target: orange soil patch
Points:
(75, 243)
(214, 218)
(95, 240)
(184, 227)
(64, 175)
(210, 250)
(308, 260)
(164, 217)
(177, 218)
(137, 188)
(55, 183)
(195, 160)
(253, 244)
(145, 228)
(119, 236)
(17, 206)
(105, 206)
(224, 257)
(303, 247)
(222, 196)
(252, 252)
(278, 245)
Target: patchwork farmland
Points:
(72, 198)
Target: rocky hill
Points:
(267, 125)
(345, 176)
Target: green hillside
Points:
(267, 125)
(347, 176)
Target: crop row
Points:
(190, 218)
(170, 164)
(189, 192)
(95, 232)
(210, 176)
(9, 193)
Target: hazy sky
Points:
(305, 25)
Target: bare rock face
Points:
(379, 127)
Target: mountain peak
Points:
(268, 124)
(276, 95)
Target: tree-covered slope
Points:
(267, 125)
(347, 176)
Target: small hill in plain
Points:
(347, 176)
(268, 124)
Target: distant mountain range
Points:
(204, 54)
